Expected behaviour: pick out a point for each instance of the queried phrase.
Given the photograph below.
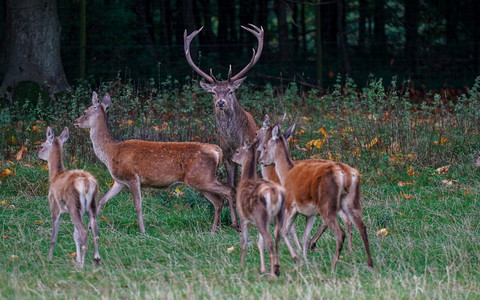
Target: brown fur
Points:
(259, 202)
(315, 187)
(136, 163)
(71, 191)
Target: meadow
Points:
(419, 197)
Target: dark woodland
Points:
(432, 43)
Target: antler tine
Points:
(258, 32)
(229, 72)
(187, 40)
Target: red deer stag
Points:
(316, 188)
(259, 202)
(136, 163)
(71, 191)
(269, 172)
(233, 122)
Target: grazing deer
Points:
(259, 202)
(233, 122)
(269, 172)
(71, 191)
(136, 163)
(314, 188)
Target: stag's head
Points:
(223, 90)
(90, 115)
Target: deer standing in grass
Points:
(234, 124)
(71, 191)
(136, 163)
(316, 188)
(259, 202)
(269, 172)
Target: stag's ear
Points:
(94, 99)
(236, 83)
(106, 101)
(288, 133)
(206, 87)
(64, 135)
(275, 133)
(50, 135)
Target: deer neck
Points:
(283, 162)
(232, 123)
(101, 139)
(55, 161)
(249, 167)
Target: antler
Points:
(258, 32)
(187, 40)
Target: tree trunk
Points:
(318, 43)
(412, 16)
(342, 43)
(280, 8)
(32, 46)
(379, 36)
(362, 29)
(83, 38)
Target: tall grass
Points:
(431, 250)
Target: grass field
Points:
(431, 250)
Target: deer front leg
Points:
(137, 202)
(308, 229)
(112, 192)
(244, 240)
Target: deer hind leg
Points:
(316, 237)
(334, 225)
(92, 215)
(112, 192)
(79, 236)
(348, 225)
(279, 222)
(244, 240)
(55, 227)
(217, 205)
(356, 216)
(134, 186)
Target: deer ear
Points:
(236, 83)
(64, 135)
(106, 101)
(266, 121)
(206, 87)
(50, 136)
(288, 133)
(94, 99)
(275, 133)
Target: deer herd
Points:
(286, 189)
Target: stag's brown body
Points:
(259, 202)
(136, 163)
(71, 191)
(317, 188)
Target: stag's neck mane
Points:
(283, 162)
(101, 138)
(232, 123)
(55, 161)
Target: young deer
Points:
(259, 202)
(71, 191)
(314, 188)
(136, 163)
(234, 124)
(269, 172)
